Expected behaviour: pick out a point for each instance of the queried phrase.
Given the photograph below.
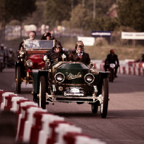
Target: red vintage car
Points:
(30, 57)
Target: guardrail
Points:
(37, 126)
(134, 69)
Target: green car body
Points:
(70, 82)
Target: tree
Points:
(5, 14)
(131, 14)
(21, 9)
(57, 11)
(104, 24)
(80, 17)
(16, 10)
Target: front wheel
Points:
(104, 105)
(111, 75)
(42, 92)
(18, 80)
(94, 107)
(1, 66)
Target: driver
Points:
(112, 58)
(57, 53)
(78, 54)
(31, 42)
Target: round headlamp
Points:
(29, 63)
(89, 78)
(59, 77)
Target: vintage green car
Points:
(66, 81)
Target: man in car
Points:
(57, 53)
(31, 42)
(112, 58)
(78, 54)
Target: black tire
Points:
(0, 67)
(94, 107)
(111, 75)
(42, 92)
(18, 79)
(104, 105)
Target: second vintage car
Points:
(65, 81)
(30, 57)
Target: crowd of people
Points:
(7, 55)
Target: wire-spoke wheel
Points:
(42, 92)
(104, 105)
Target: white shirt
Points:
(31, 43)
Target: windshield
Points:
(38, 44)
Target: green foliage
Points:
(57, 11)
(5, 12)
(104, 24)
(21, 9)
(80, 17)
(16, 9)
(102, 6)
(131, 13)
(37, 17)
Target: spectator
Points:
(11, 57)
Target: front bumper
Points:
(61, 98)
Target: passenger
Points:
(57, 53)
(32, 42)
(112, 58)
(47, 36)
(78, 54)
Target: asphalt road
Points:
(125, 121)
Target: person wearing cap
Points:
(78, 54)
(56, 53)
(112, 58)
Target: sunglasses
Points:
(79, 46)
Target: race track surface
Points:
(125, 121)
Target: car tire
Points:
(0, 67)
(111, 75)
(42, 92)
(18, 79)
(104, 105)
(94, 107)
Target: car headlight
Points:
(89, 78)
(59, 77)
(29, 63)
(143, 65)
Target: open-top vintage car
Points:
(66, 81)
(30, 56)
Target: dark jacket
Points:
(112, 59)
(74, 57)
(53, 56)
